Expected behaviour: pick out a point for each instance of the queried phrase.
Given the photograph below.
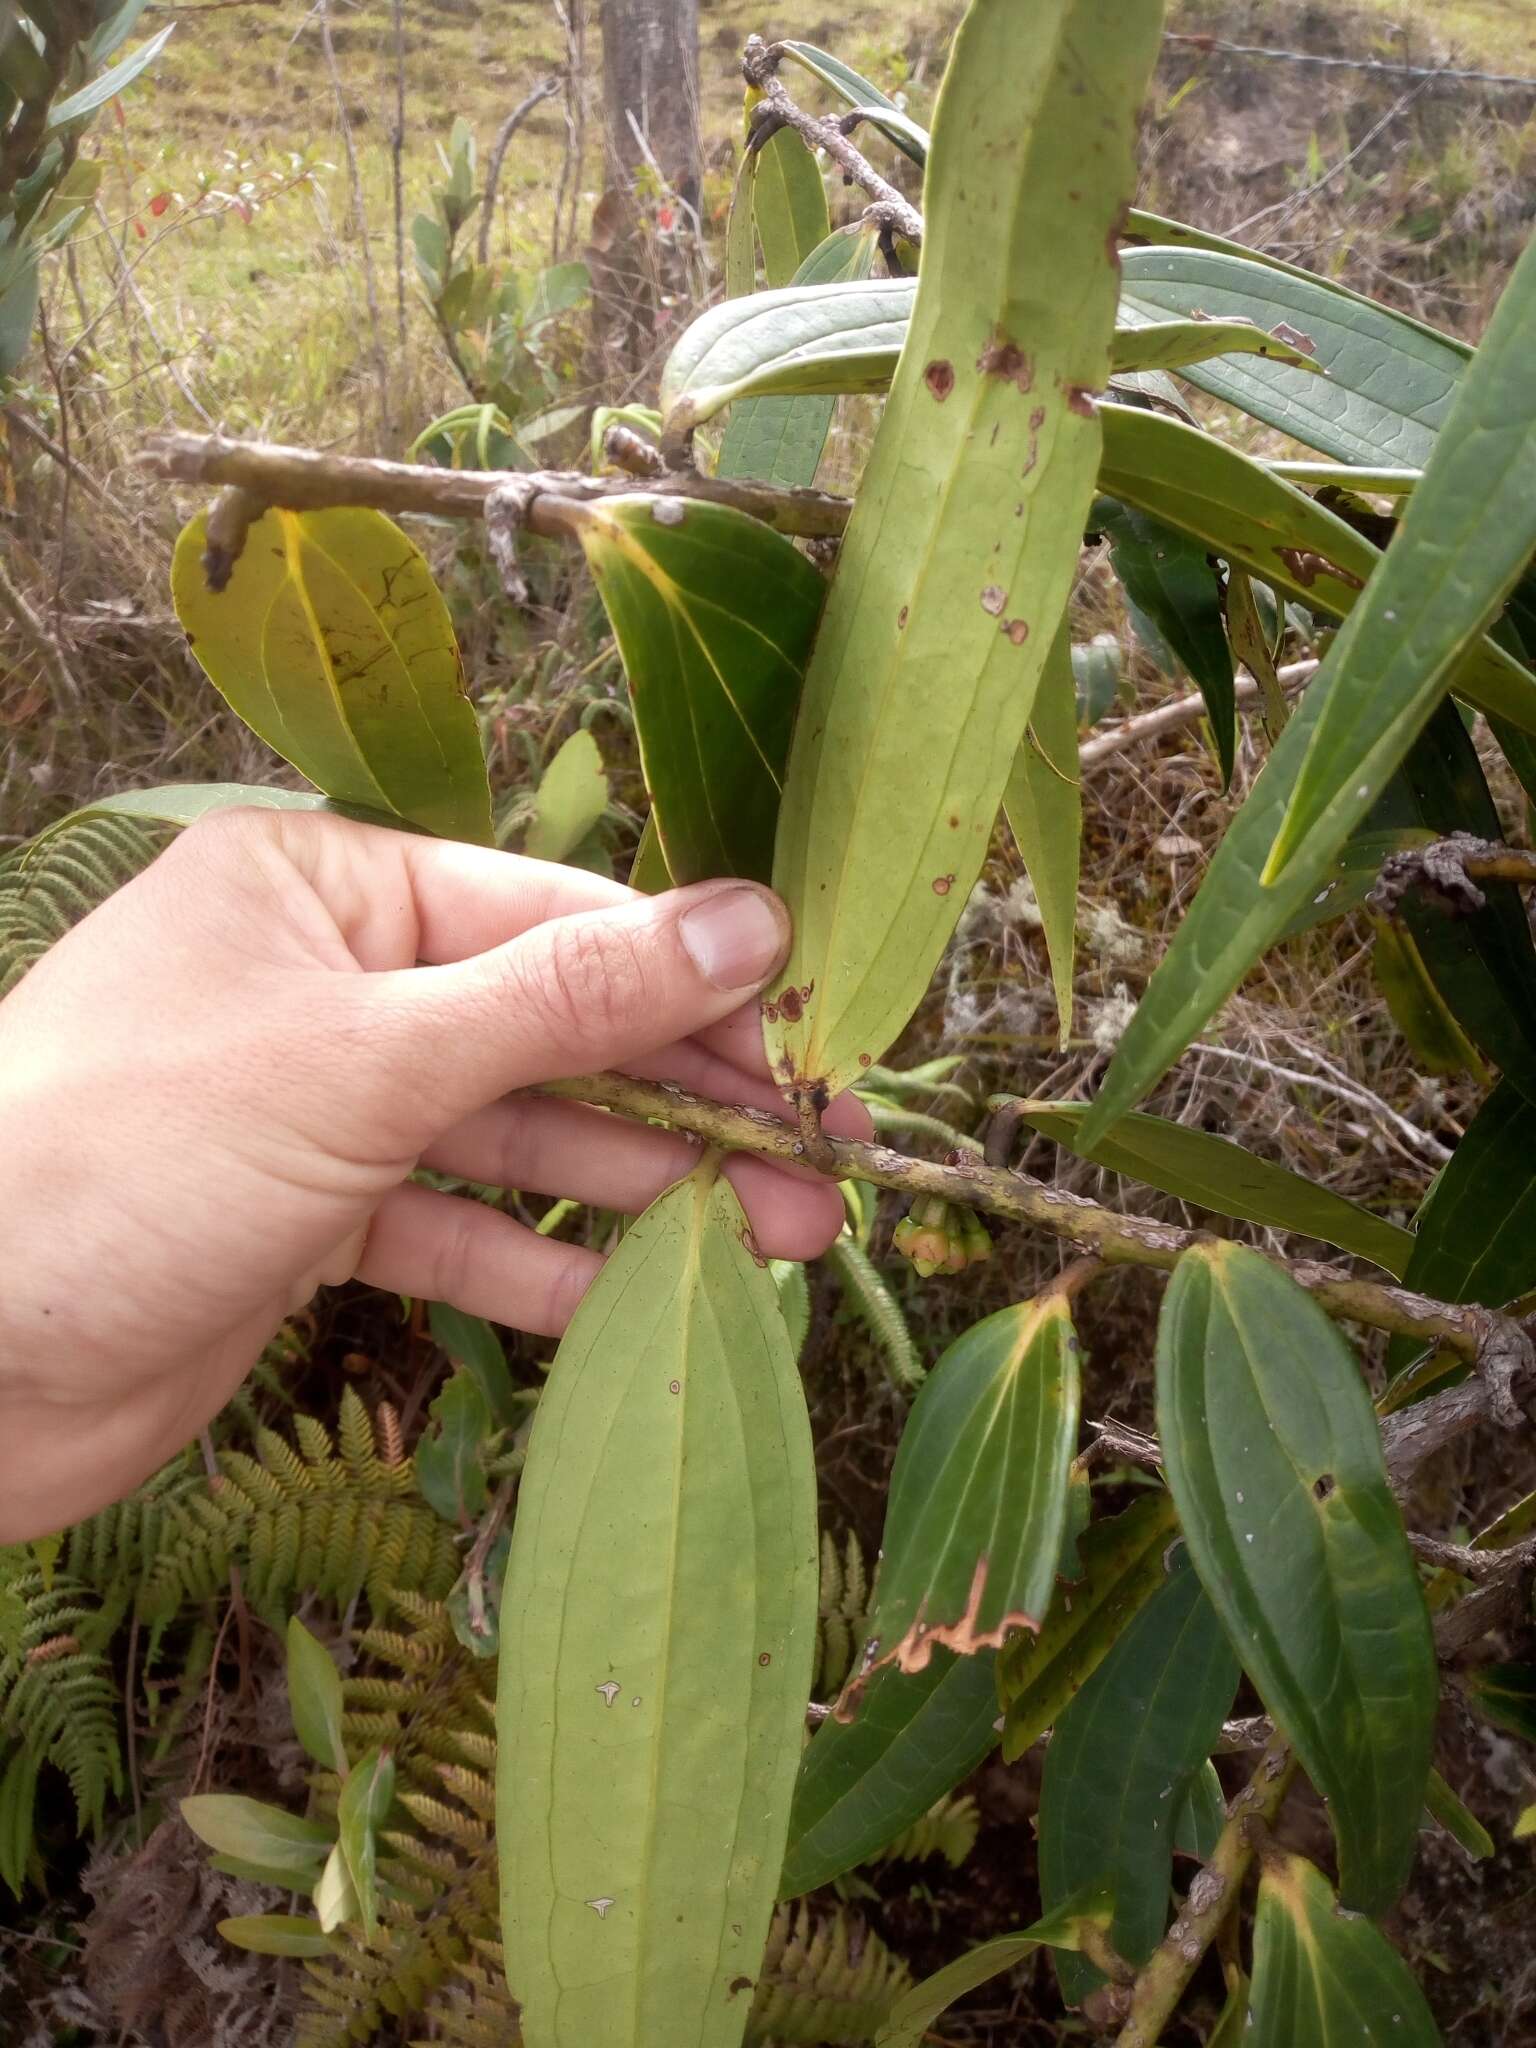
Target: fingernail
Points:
(736, 937)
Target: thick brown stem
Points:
(894, 211)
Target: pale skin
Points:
(215, 1089)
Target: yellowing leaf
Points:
(333, 643)
(573, 795)
(658, 1631)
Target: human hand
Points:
(213, 1091)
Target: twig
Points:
(1475, 1334)
(302, 480)
(38, 435)
(1212, 1896)
(33, 629)
(1189, 710)
(127, 284)
(1344, 1091)
(776, 110)
(573, 23)
(545, 89)
(1451, 868)
(1470, 1563)
(355, 181)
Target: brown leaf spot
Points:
(1004, 358)
(770, 1012)
(902, 616)
(1117, 228)
(1017, 630)
(739, 1984)
(993, 599)
(1081, 401)
(954, 822)
(940, 379)
(942, 884)
(750, 1246)
(865, 1060)
(1306, 566)
(791, 1006)
(674, 1386)
(765, 1658)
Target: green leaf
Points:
(366, 1797)
(714, 615)
(1201, 1816)
(864, 1782)
(789, 204)
(471, 1342)
(1245, 513)
(1231, 2028)
(1122, 1564)
(958, 559)
(333, 643)
(1119, 1763)
(1475, 1233)
(335, 1895)
(1174, 597)
(780, 440)
(658, 1631)
(1274, 1460)
(572, 796)
(450, 1462)
(978, 1497)
(1043, 803)
(1464, 540)
(740, 245)
(18, 1799)
(108, 84)
(1482, 962)
(314, 1695)
(183, 803)
(1096, 671)
(913, 2015)
(1323, 1975)
(1506, 1695)
(857, 91)
(648, 871)
(1153, 344)
(1217, 1174)
(1388, 385)
(801, 339)
(258, 1833)
(1416, 1006)
(277, 1934)
(1459, 1822)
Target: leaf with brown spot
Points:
(979, 1496)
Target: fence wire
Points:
(1377, 66)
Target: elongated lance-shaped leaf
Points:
(978, 1499)
(789, 201)
(781, 439)
(831, 337)
(314, 1698)
(658, 1634)
(1119, 1765)
(1475, 1234)
(1217, 1174)
(809, 337)
(367, 1794)
(1044, 807)
(572, 796)
(1122, 1566)
(1459, 1822)
(1162, 233)
(333, 643)
(1274, 1460)
(1173, 594)
(714, 615)
(183, 803)
(863, 1782)
(1465, 538)
(1388, 385)
(1201, 1816)
(1326, 1977)
(1246, 513)
(256, 1832)
(277, 1934)
(958, 559)
(857, 91)
(914, 2014)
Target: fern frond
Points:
(947, 1829)
(50, 883)
(58, 1695)
(877, 1309)
(841, 1611)
(824, 1982)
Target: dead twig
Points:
(544, 90)
(891, 210)
(1181, 711)
(1451, 869)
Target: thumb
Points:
(577, 993)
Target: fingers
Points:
(445, 1248)
(593, 989)
(564, 1148)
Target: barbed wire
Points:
(1216, 46)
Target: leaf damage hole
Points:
(993, 599)
(674, 1386)
(940, 379)
(610, 1691)
(1323, 1488)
